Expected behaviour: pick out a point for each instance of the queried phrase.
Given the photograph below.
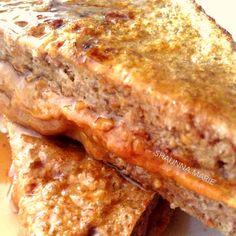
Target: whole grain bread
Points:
(212, 213)
(59, 190)
(135, 78)
(163, 67)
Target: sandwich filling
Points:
(58, 189)
(49, 113)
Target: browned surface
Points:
(95, 136)
(8, 220)
(212, 213)
(117, 37)
(59, 190)
(160, 72)
(5, 158)
(130, 53)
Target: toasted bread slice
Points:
(60, 190)
(136, 78)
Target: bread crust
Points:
(123, 53)
(160, 75)
(58, 189)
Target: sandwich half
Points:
(148, 86)
(57, 189)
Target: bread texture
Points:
(129, 79)
(59, 190)
(167, 57)
(212, 213)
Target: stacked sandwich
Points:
(57, 189)
(147, 87)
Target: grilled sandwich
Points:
(58, 189)
(138, 83)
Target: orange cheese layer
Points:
(5, 157)
(50, 113)
(8, 220)
(112, 141)
(120, 142)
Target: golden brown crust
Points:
(120, 41)
(167, 58)
(175, 55)
(158, 221)
(59, 190)
(86, 126)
